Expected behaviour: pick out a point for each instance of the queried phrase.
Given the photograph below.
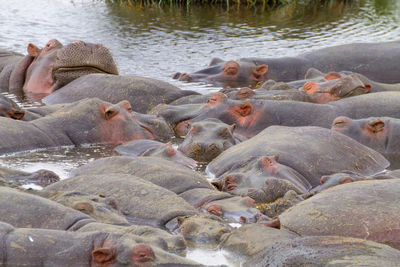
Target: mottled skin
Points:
(377, 61)
(26, 247)
(87, 121)
(325, 251)
(308, 150)
(332, 212)
(27, 210)
(251, 239)
(188, 184)
(379, 133)
(155, 149)
(263, 179)
(40, 177)
(140, 201)
(228, 73)
(10, 109)
(252, 116)
(206, 139)
(44, 70)
(142, 93)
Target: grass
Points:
(269, 3)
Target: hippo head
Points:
(96, 121)
(119, 251)
(202, 228)
(335, 87)
(337, 179)
(56, 65)
(228, 73)
(207, 139)
(371, 132)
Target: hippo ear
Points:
(103, 255)
(33, 50)
(215, 61)
(310, 87)
(376, 125)
(276, 157)
(245, 109)
(332, 76)
(233, 126)
(313, 73)
(260, 71)
(346, 180)
(16, 114)
(368, 88)
(110, 113)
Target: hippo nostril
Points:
(142, 253)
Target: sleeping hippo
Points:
(310, 151)
(252, 116)
(48, 248)
(10, 109)
(45, 70)
(332, 212)
(352, 57)
(378, 133)
(84, 122)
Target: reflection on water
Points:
(59, 160)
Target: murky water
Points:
(158, 41)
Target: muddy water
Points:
(158, 41)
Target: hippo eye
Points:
(224, 133)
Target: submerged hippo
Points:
(332, 212)
(87, 121)
(40, 177)
(142, 93)
(252, 116)
(188, 184)
(355, 57)
(26, 247)
(44, 70)
(156, 149)
(310, 151)
(379, 133)
(207, 139)
(325, 251)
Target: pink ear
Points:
(260, 71)
(310, 87)
(103, 255)
(332, 76)
(110, 113)
(33, 50)
(376, 126)
(368, 88)
(245, 109)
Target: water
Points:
(159, 41)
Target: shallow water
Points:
(159, 41)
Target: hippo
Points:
(156, 149)
(263, 179)
(332, 212)
(40, 177)
(45, 70)
(325, 251)
(378, 133)
(10, 109)
(307, 150)
(355, 57)
(206, 139)
(25, 247)
(103, 123)
(252, 116)
(142, 93)
(185, 182)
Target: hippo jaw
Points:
(80, 58)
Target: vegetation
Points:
(268, 3)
